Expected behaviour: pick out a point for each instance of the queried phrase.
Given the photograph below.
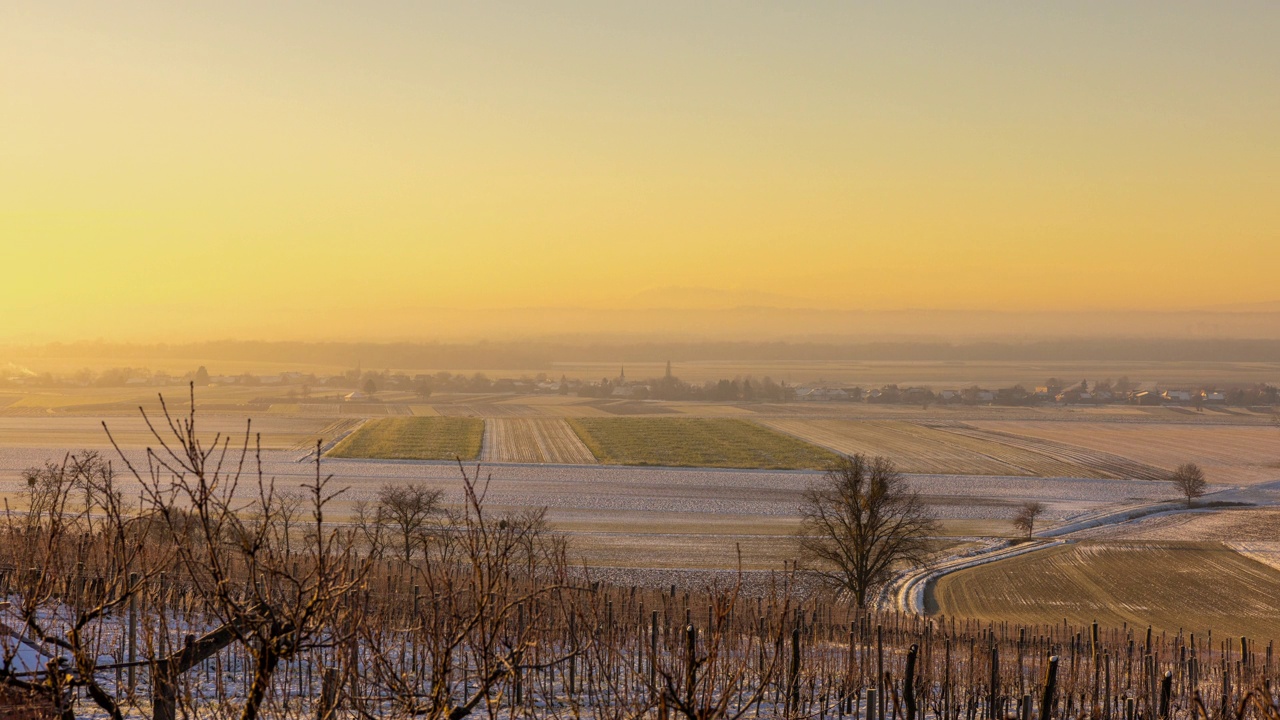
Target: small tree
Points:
(407, 510)
(1189, 479)
(1027, 515)
(860, 522)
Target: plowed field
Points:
(533, 440)
(695, 442)
(916, 448)
(1230, 454)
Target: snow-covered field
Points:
(667, 490)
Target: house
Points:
(822, 393)
(1215, 396)
(355, 396)
(1178, 396)
(1145, 397)
(917, 395)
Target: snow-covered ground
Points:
(572, 488)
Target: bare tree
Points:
(1027, 515)
(1189, 479)
(407, 509)
(860, 522)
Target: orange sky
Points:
(258, 169)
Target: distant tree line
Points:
(310, 386)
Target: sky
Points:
(361, 170)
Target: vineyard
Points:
(533, 440)
(414, 438)
(406, 642)
(695, 442)
(1139, 583)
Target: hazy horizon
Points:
(174, 172)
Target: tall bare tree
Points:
(860, 522)
(1190, 481)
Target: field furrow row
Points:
(533, 440)
(1093, 463)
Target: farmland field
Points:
(695, 442)
(414, 438)
(1228, 454)
(1193, 586)
(972, 464)
(916, 448)
(1100, 463)
(533, 440)
(1241, 524)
